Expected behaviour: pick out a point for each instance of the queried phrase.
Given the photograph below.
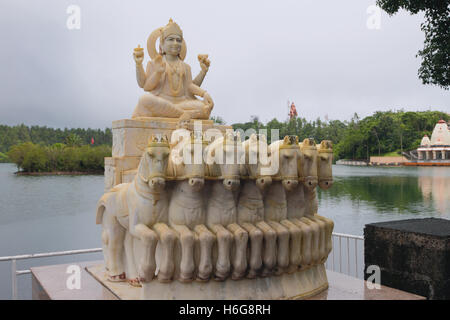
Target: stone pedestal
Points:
(49, 282)
(413, 255)
(298, 285)
(130, 137)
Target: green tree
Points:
(3, 158)
(73, 140)
(435, 67)
(218, 120)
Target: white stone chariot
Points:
(194, 213)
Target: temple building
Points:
(436, 149)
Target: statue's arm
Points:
(204, 64)
(196, 90)
(152, 79)
(193, 87)
(141, 76)
(199, 78)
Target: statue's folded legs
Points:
(150, 105)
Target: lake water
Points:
(55, 213)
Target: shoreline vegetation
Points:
(58, 159)
(49, 151)
(59, 173)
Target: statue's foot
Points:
(292, 269)
(117, 278)
(186, 278)
(220, 276)
(200, 279)
(207, 111)
(164, 278)
(135, 282)
(237, 275)
(222, 272)
(252, 274)
(280, 270)
(266, 272)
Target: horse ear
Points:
(144, 166)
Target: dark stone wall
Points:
(413, 255)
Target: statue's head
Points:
(171, 39)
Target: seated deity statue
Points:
(170, 90)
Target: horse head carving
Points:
(324, 164)
(186, 157)
(308, 163)
(255, 159)
(223, 157)
(153, 165)
(288, 155)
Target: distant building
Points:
(438, 147)
(434, 151)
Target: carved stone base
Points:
(130, 138)
(300, 285)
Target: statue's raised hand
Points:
(160, 64)
(204, 62)
(138, 55)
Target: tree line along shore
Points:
(44, 150)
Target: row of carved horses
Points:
(206, 219)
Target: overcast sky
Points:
(319, 54)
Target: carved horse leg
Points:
(256, 243)
(306, 255)
(206, 239)
(224, 238)
(239, 260)
(322, 236)
(270, 247)
(144, 249)
(282, 246)
(132, 274)
(167, 241)
(295, 241)
(115, 236)
(187, 265)
(329, 226)
(105, 241)
(315, 238)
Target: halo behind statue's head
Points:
(162, 33)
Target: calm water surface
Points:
(52, 213)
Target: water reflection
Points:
(436, 190)
(363, 195)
